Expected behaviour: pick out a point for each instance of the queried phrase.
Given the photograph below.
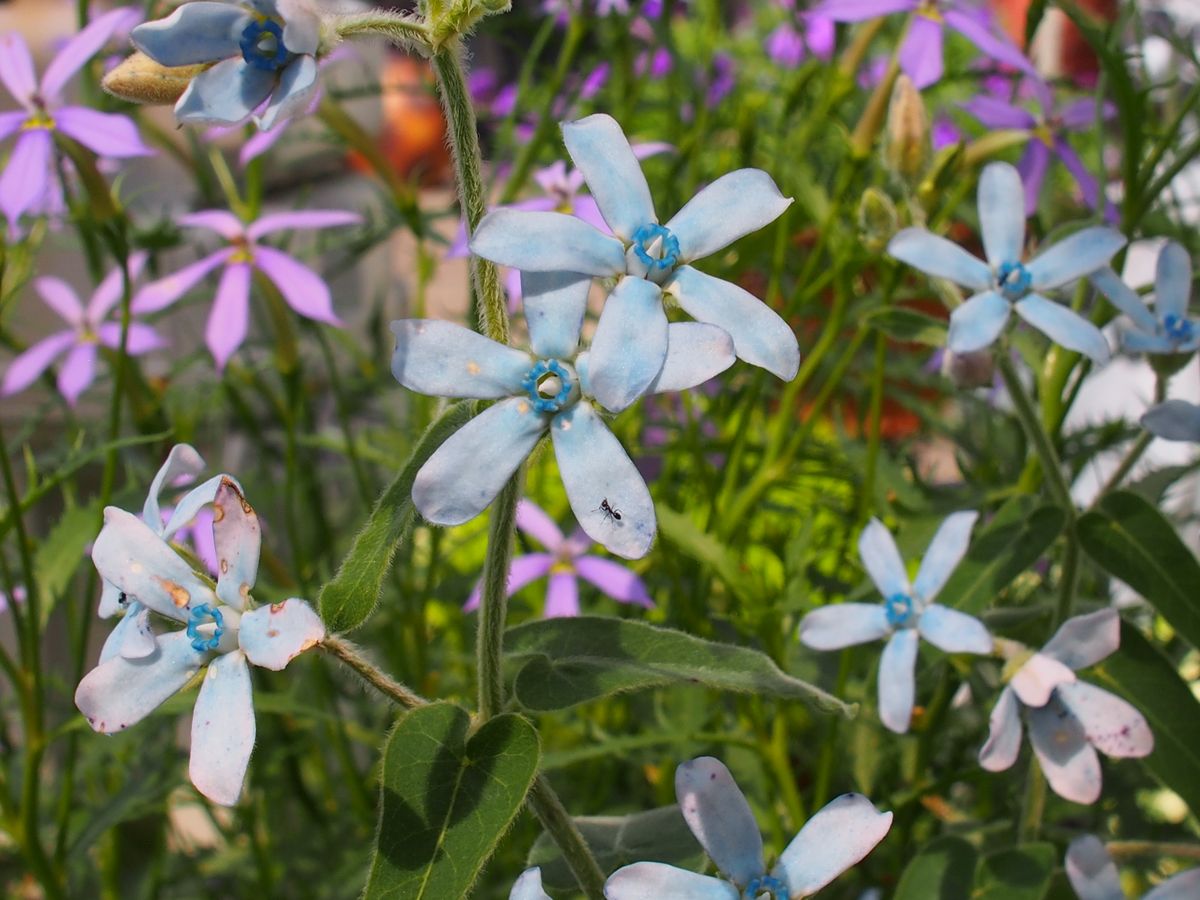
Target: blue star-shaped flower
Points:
(1166, 329)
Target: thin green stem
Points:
(1033, 804)
(1139, 446)
(1032, 423)
(350, 654)
(493, 604)
(561, 827)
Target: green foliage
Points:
(1021, 873)
(943, 870)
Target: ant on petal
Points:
(609, 511)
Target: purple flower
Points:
(90, 327)
(1047, 130)
(921, 52)
(1068, 719)
(789, 45)
(302, 289)
(565, 563)
(28, 184)
(655, 64)
(1094, 876)
(723, 79)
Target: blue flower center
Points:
(549, 385)
(645, 240)
(262, 45)
(196, 619)
(1014, 280)
(766, 884)
(1178, 328)
(899, 609)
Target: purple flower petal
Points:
(897, 680)
(78, 371)
(522, 570)
(229, 318)
(614, 580)
(1083, 641)
(1112, 726)
(844, 625)
(61, 298)
(105, 134)
(141, 339)
(858, 10)
(532, 520)
(1081, 114)
(1032, 166)
(300, 219)
(562, 596)
(16, 68)
(108, 293)
(223, 730)
(11, 122)
(27, 176)
(785, 46)
(1004, 734)
(78, 50)
(1068, 761)
(224, 223)
(997, 114)
(716, 811)
(921, 52)
(160, 294)
(447, 360)
(841, 834)
(302, 288)
(183, 464)
(996, 48)
(272, 636)
(1088, 185)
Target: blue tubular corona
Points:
(196, 619)
(766, 884)
(1178, 328)
(899, 610)
(1014, 280)
(532, 384)
(670, 246)
(257, 52)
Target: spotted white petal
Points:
(1111, 725)
(1068, 761)
(1036, 680)
(237, 538)
(443, 359)
(272, 636)
(841, 834)
(717, 812)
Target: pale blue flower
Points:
(1094, 876)
(634, 326)
(547, 390)
(1069, 720)
(529, 886)
(833, 840)
(1174, 420)
(263, 50)
(221, 631)
(1166, 329)
(1004, 282)
(906, 614)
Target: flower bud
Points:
(141, 80)
(970, 370)
(908, 146)
(878, 220)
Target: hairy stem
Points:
(560, 826)
(352, 657)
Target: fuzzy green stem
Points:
(554, 818)
(493, 604)
(1042, 445)
(1033, 804)
(404, 31)
(350, 654)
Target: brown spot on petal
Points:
(218, 513)
(278, 607)
(244, 590)
(272, 632)
(179, 595)
(224, 567)
(307, 645)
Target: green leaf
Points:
(588, 657)
(1012, 542)
(1144, 677)
(350, 597)
(706, 550)
(1022, 873)
(908, 326)
(943, 870)
(659, 835)
(1130, 539)
(447, 799)
(58, 557)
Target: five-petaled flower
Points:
(29, 183)
(1069, 720)
(1094, 876)
(90, 327)
(302, 288)
(906, 614)
(567, 561)
(263, 50)
(633, 324)
(1004, 282)
(836, 838)
(1167, 329)
(221, 630)
(550, 390)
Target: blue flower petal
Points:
(1081, 254)
(945, 551)
(717, 812)
(182, 460)
(978, 322)
(630, 345)
(223, 730)
(613, 174)
(121, 692)
(596, 469)
(555, 304)
(226, 94)
(133, 637)
(1091, 871)
(188, 506)
(529, 886)
(760, 336)
(197, 32)
(659, 881)
(547, 242)
(1064, 326)
(1083, 641)
(1002, 214)
(897, 680)
(696, 352)
(1141, 342)
(297, 82)
(939, 257)
(844, 625)
(1068, 761)
(447, 360)
(1172, 282)
(1174, 420)
(953, 631)
(877, 550)
(734, 205)
(272, 636)
(1184, 886)
(238, 538)
(464, 475)
(1004, 734)
(302, 26)
(841, 834)
(1124, 298)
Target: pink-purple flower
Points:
(90, 327)
(302, 288)
(566, 561)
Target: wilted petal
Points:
(16, 68)
(1068, 761)
(945, 552)
(226, 94)
(547, 242)
(659, 881)
(237, 537)
(162, 293)
(953, 631)
(28, 366)
(630, 345)
(1081, 254)
(521, 571)
(79, 49)
(229, 319)
(1091, 870)
(602, 153)
(272, 636)
(614, 580)
(296, 85)
(716, 811)
(595, 468)
(877, 550)
(844, 625)
(841, 834)
(196, 32)
(1064, 326)
(78, 371)
(464, 475)
(562, 596)
(921, 52)
(760, 336)
(1124, 298)
(1184, 886)
(1083, 641)
(897, 680)
(105, 134)
(121, 692)
(223, 730)
(528, 886)
(939, 257)
(1001, 214)
(300, 220)
(1172, 281)
(1111, 725)
(447, 360)
(302, 288)
(1036, 680)
(189, 506)
(978, 322)
(734, 205)
(1174, 420)
(27, 174)
(696, 352)
(1004, 734)
(182, 462)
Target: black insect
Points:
(609, 511)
